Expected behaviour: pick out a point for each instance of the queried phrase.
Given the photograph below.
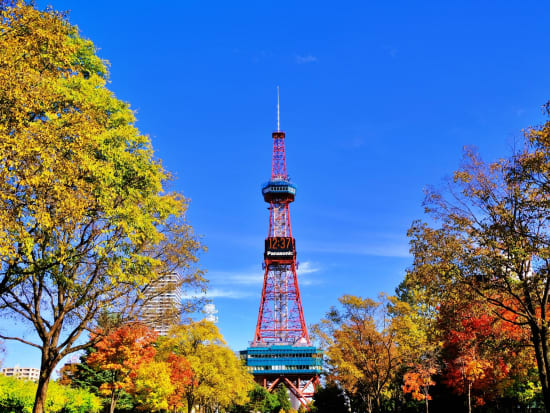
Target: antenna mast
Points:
(278, 117)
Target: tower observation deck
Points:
(281, 352)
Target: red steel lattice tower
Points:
(281, 352)
(281, 318)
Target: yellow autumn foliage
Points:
(85, 223)
(220, 378)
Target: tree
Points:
(282, 398)
(329, 399)
(483, 354)
(122, 353)
(153, 386)
(494, 238)
(66, 373)
(360, 344)
(84, 221)
(478, 348)
(415, 323)
(92, 378)
(18, 396)
(418, 383)
(468, 366)
(4, 4)
(219, 378)
(181, 377)
(125, 367)
(260, 400)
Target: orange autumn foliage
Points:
(181, 376)
(418, 383)
(122, 352)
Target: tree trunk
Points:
(113, 402)
(369, 404)
(543, 368)
(47, 364)
(426, 399)
(41, 392)
(544, 345)
(469, 397)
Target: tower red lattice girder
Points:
(280, 318)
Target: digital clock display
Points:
(279, 247)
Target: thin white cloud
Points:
(309, 281)
(250, 282)
(237, 277)
(305, 59)
(247, 279)
(220, 293)
(253, 277)
(223, 293)
(306, 268)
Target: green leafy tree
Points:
(282, 398)
(329, 399)
(261, 401)
(85, 223)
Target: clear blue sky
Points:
(377, 100)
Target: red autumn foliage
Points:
(479, 349)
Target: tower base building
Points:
(295, 367)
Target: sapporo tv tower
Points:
(281, 352)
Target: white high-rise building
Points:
(163, 303)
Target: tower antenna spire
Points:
(278, 116)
